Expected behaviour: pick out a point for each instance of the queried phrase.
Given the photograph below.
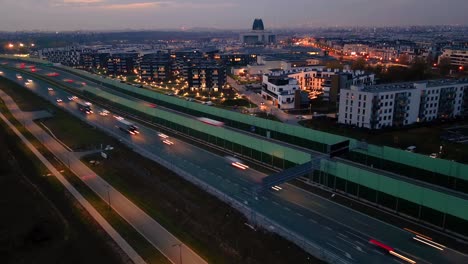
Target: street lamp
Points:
(180, 251)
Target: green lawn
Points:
(41, 225)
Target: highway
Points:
(335, 228)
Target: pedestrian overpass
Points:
(302, 169)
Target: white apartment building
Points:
(458, 57)
(401, 104)
(327, 83)
(281, 90)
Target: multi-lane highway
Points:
(333, 227)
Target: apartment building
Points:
(400, 104)
(208, 76)
(70, 56)
(458, 57)
(282, 90)
(155, 67)
(122, 63)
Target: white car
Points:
(104, 112)
(59, 100)
(433, 155)
(50, 89)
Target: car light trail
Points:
(239, 165)
(402, 257)
(429, 243)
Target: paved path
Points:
(132, 254)
(142, 222)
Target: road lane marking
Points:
(286, 208)
(358, 248)
(378, 252)
(360, 222)
(313, 221)
(276, 203)
(299, 214)
(346, 253)
(343, 235)
(328, 228)
(357, 236)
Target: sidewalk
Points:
(157, 235)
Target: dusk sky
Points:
(177, 14)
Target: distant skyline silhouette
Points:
(60, 15)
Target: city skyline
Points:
(69, 15)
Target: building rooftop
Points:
(258, 24)
(443, 82)
(391, 87)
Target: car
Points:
(433, 155)
(163, 136)
(59, 100)
(104, 112)
(88, 103)
(50, 89)
(170, 94)
(118, 117)
(1, 72)
(276, 188)
(236, 162)
(209, 103)
(411, 148)
(72, 98)
(189, 99)
(168, 142)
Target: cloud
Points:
(107, 4)
(138, 5)
(129, 4)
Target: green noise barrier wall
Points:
(439, 201)
(291, 155)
